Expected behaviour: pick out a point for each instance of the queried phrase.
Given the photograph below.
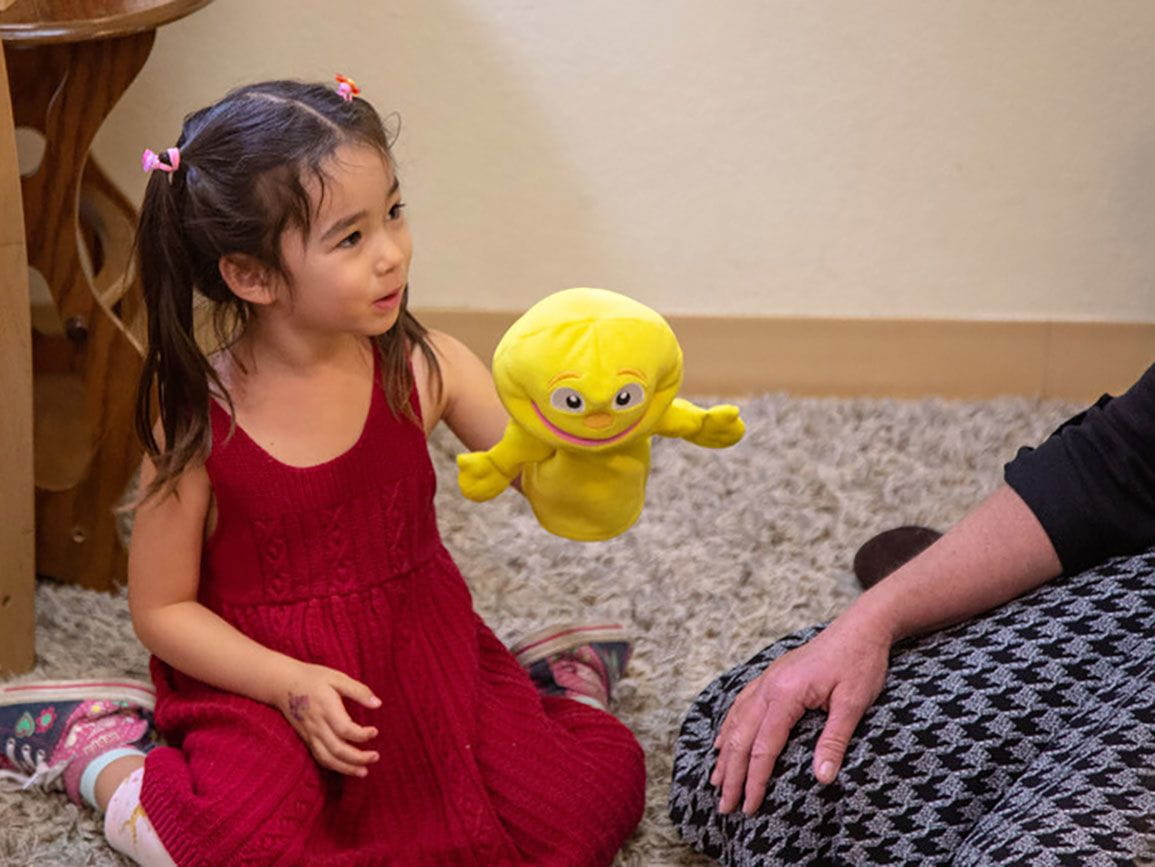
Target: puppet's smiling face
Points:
(589, 383)
(591, 402)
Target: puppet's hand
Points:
(479, 477)
(721, 427)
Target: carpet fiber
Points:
(735, 548)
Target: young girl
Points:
(326, 691)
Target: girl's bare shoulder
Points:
(467, 401)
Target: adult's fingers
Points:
(735, 705)
(771, 737)
(726, 733)
(757, 712)
(845, 713)
(729, 723)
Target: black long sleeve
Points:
(1092, 483)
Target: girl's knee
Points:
(127, 827)
(617, 797)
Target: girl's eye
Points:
(629, 396)
(395, 211)
(351, 240)
(567, 400)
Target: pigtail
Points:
(176, 374)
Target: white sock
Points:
(128, 829)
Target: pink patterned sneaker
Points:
(583, 663)
(51, 730)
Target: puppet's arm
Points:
(484, 475)
(715, 428)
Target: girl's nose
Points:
(390, 253)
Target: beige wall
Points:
(982, 159)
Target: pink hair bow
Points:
(150, 161)
(347, 88)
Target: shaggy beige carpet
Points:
(735, 548)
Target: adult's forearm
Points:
(197, 642)
(996, 552)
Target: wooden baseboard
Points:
(881, 357)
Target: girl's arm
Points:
(995, 553)
(163, 576)
(468, 402)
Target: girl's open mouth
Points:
(388, 302)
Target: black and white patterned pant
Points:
(1026, 736)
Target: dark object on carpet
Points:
(885, 552)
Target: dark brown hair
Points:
(241, 182)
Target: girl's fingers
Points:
(357, 691)
(337, 718)
(326, 759)
(350, 731)
(345, 752)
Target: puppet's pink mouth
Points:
(581, 441)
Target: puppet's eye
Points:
(629, 396)
(567, 400)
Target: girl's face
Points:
(350, 272)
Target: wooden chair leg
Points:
(17, 547)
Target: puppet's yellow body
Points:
(588, 376)
(589, 496)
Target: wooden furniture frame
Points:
(69, 61)
(17, 547)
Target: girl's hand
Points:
(313, 703)
(841, 670)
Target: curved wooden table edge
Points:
(17, 29)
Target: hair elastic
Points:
(150, 161)
(347, 88)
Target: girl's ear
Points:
(248, 279)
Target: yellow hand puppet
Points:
(587, 376)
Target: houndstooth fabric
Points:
(1026, 736)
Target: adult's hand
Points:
(841, 670)
(998, 551)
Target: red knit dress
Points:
(341, 564)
